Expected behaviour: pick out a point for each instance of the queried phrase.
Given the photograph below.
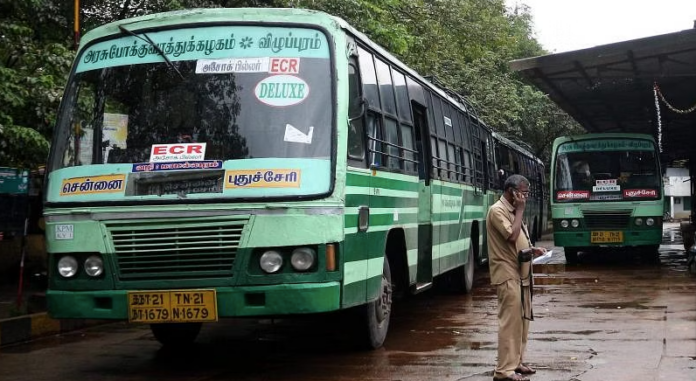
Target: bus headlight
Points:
(575, 223)
(302, 259)
(94, 266)
(271, 261)
(639, 221)
(650, 221)
(67, 266)
(564, 223)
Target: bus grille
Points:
(604, 220)
(180, 248)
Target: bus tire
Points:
(533, 234)
(650, 253)
(460, 280)
(377, 313)
(468, 274)
(176, 334)
(571, 255)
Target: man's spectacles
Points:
(525, 193)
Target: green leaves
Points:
(34, 63)
(22, 147)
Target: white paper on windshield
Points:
(294, 135)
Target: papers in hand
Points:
(544, 258)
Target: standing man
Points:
(507, 236)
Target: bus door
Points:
(424, 276)
(356, 243)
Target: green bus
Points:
(606, 194)
(512, 158)
(216, 163)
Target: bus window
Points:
(374, 128)
(407, 137)
(402, 96)
(356, 145)
(391, 132)
(385, 87)
(369, 78)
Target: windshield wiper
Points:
(154, 46)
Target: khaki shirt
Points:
(502, 255)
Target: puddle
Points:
(475, 345)
(555, 281)
(625, 305)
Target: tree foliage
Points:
(34, 62)
(465, 44)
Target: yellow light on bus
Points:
(330, 257)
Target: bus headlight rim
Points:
(271, 261)
(650, 221)
(564, 223)
(639, 222)
(94, 266)
(574, 223)
(67, 266)
(303, 258)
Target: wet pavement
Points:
(610, 317)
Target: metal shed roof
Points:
(609, 88)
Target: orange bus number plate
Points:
(177, 306)
(607, 237)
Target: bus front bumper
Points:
(631, 238)
(287, 299)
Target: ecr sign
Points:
(177, 152)
(285, 66)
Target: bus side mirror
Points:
(357, 108)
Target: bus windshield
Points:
(606, 170)
(217, 116)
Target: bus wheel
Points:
(176, 334)
(650, 253)
(461, 279)
(469, 274)
(378, 312)
(571, 255)
(692, 265)
(533, 234)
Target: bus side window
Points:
(374, 133)
(391, 136)
(356, 109)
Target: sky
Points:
(565, 25)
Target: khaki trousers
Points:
(512, 328)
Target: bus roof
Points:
(608, 135)
(507, 142)
(190, 17)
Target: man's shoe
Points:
(525, 369)
(512, 377)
